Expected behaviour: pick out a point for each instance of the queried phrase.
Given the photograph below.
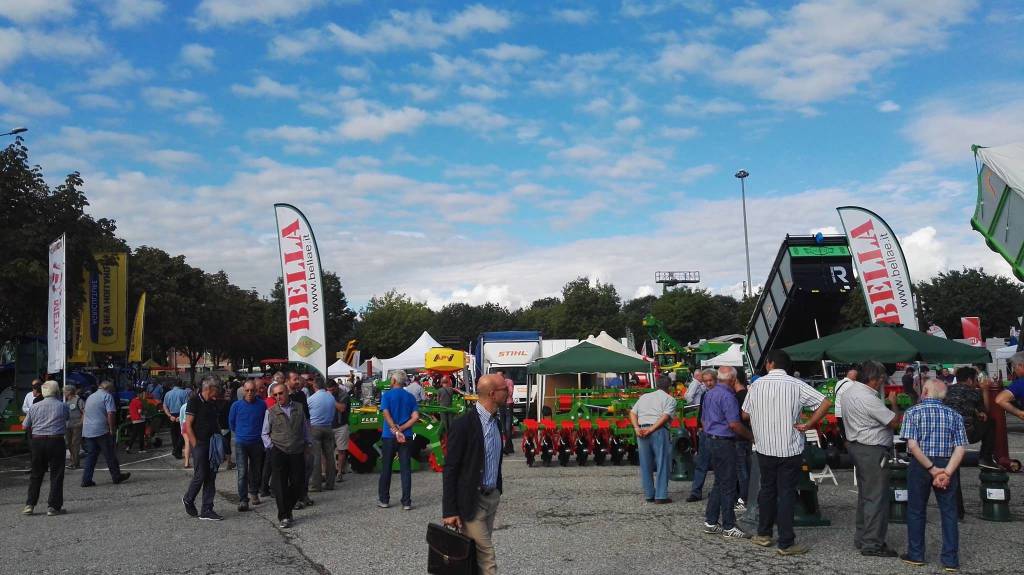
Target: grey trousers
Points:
(480, 530)
(323, 451)
(872, 495)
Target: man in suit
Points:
(472, 471)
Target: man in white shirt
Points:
(32, 396)
(415, 389)
(841, 387)
(650, 416)
(773, 405)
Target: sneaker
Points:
(243, 506)
(712, 529)
(299, 506)
(692, 498)
(308, 502)
(53, 511)
(27, 510)
(949, 569)
(89, 484)
(740, 506)
(407, 507)
(762, 540)
(190, 508)
(883, 552)
(735, 532)
(256, 500)
(915, 562)
(383, 505)
(795, 549)
(210, 515)
(649, 500)
(285, 523)
(122, 478)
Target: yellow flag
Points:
(105, 303)
(135, 351)
(80, 352)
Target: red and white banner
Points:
(56, 309)
(303, 288)
(884, 276)
(972, 330)
(936, 331)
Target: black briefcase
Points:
(449, 552)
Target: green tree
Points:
(692, 314)
(32, 215)
(339, 322)
(543, 315)
(633, 313)
(947, 297)
(589, 309)
(464, 322)
(392, 322)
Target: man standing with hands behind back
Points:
(472, 471)
(650, 416)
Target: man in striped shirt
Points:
(773, 405)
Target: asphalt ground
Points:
(554, 520)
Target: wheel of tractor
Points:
(546, 458)
(529, 459)
(599, 457)
(616, 457)
(563, 458)
(634, 457)
(366, 445)
(581, 456)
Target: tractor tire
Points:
(581, 457)
(563, 458)
(599, 456)
(634, 457)
(366, 445)
(546, 458)
(529, 459)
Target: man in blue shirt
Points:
(173, 401)
(98, 428)
(246, 423)
(1011, 399)
(937, 440)
(720, 418)
(321, 415)
(400, 412)
(46, 423)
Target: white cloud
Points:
(411, 30)
(168, 98)
(98, 101)
(747, 17)
(128, 13)
(118, 73)
(172, 159)
(687, 106)
(574, 16)
(28, 11)
(297, 44)
(925, 253)
(630, 166)
(597, 106)
(580, 153)
(888, 106)
(418, 92)
(472, 117)
(512, 53)
(296, 139)
(945, 129)
(680, 134)
(94, 143)
(644, 8)
(225, 13)
(695, 173)
(201, 117)
(354, 73)
(62, 44)
(693, 57)
(629, 124)
(481, 92)
(823, 49)
(28, 100)
(266, 87)
(378, 126)
(198, 57)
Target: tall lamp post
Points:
(15, 132)
(742, 175)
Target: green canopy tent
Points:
(584, 357)
(887, 343)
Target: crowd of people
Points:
(947, 413)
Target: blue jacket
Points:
(245, 420)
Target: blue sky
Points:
(492, 152)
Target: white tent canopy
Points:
(732, 356)
(339, 369)
(412, 358)
(374, 363)
(1003, 352)
(611, 344)
(1007, 162)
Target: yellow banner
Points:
(135, 351)
(79, 351)
(105, 306)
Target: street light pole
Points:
(747, 242)
(15, 132)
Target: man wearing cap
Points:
(46, 423)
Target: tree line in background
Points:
(198, 312)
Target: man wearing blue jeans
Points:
(400, 412)
(98, 428)
(936, 438)
(650, 417)
(246, 423)
(702, 463)
(721, 420)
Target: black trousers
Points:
(265, 478)
(47, 455)
(777, 499)
(985, 432)
(177, 441)
(288, 477)
(204, 477)
(138, 433)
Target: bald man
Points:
(937, 440)
(472, 471)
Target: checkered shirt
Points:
(936, 427)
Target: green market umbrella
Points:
(586, 357)
(887, 343)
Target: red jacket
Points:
(135, 410)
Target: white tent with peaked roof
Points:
(339, 369)
(412, 358)
(611, 344)
(732, 356)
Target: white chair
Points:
(812, 436)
